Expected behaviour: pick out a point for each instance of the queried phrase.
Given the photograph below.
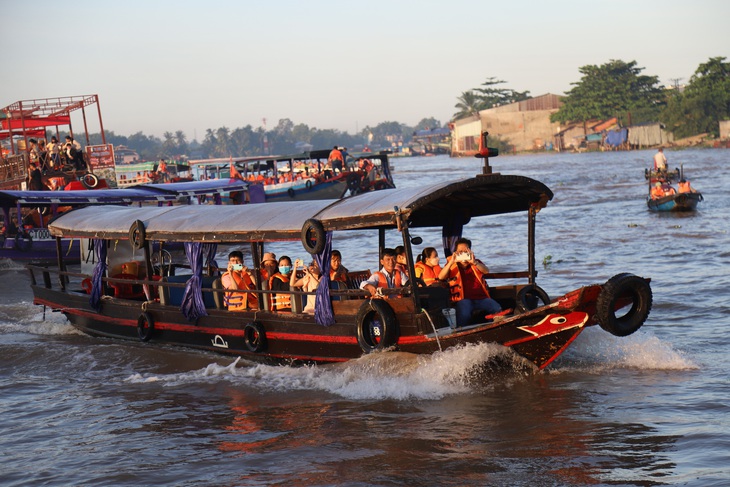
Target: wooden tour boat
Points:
(129, 293)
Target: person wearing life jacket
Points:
(427, 267)
(657, 191)
(336, 160)
(469, 291)
(684, 187)
(387, 277)
(338, 272)
(236, 278)
(281, 301)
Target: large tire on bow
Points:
(254, 337)
(313, 236)
(90, 180)
(137, 234)
(529, 298)
(619, 292)
(145, 327)
(377, 326)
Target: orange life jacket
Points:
(684, 187)
(279, 301)
(456, 285)
(239, 301)
(657, 193)
(428, 274)
(383, 281)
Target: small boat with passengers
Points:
(128, 293)
(664, 197)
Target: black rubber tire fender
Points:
(145, 327)
(254, 337)
(291, 192)
(90, 180)
(528, 297)
(308, 184)
(620, 287)
(377, 326)
(313, 236)
(137, 234)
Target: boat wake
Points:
(24, 317)
(595, 351)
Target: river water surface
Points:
(649, 409)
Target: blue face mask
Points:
(284, 269)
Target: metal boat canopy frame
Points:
(26, 118)
(436, 205)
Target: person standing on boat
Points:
(35, 178)
(387, 277)
(335, 159)
(54, 149)
(237, 278)
(281, 301)
(469, 292)
(660, 161)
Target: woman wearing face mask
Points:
(427, 267)
(281, 301)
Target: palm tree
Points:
(469, 103)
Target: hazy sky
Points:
(194, 65)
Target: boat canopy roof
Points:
(139, 193)
(426, 206)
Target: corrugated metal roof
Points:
(432, 205)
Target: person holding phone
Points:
(237, 279)
(469, 292)
(308, 283)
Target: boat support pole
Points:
(531, 217)
(403, 225)
(61, 267)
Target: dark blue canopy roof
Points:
(146, 192)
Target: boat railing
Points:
(119, 285)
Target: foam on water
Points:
(377, 376)
(597, 350)
(25, 317)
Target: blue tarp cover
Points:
(615, 138)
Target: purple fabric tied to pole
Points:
(98, 274)
(323, 313)
(451, 232)
(192, 306)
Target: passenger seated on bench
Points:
(338, 272)
(469, 292)
(387, 277)
(281, 301)
(309, 283)
(427, 267)
(237, 277)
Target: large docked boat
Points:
(129, 295)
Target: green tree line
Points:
(619, 89)
(285, 138)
